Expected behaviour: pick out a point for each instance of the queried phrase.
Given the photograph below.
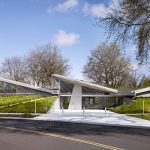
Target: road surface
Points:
(46, 135)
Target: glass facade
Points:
(64, 101)
(101, 102)
(87, 90)
(7, 88)
(66, 88)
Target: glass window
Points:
(7, 88)
(86, 90)
(64, 101)
(66, 87)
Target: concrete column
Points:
(76, 98)
(56, 105)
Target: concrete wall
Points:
(56, 105)
(76, 98)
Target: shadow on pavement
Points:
(71, 128)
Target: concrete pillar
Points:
(76, 98)
(56, 105)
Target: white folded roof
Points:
(85, 83)
(142, 90)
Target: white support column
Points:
(35, 108)
(76, 98)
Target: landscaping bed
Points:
(136, 108)
(145, 116)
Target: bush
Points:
(136, 107)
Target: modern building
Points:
(75, 94)
(145, 92)
(10, 87)
(78, 94)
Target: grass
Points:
(136, 107)
(42, 105)
(146, 116)
(7, 100)
(19, 115)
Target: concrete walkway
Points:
(94, 117)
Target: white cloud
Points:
(66, 39)
(95, 10)
(135, 66)
(64, 7)
(100, 9)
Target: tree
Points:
(44, 61)
(130, 21)
(145, 82)
(13, 68)
(136, 78)
(106, 66)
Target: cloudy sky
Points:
(70, 24)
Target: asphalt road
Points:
(48, 135)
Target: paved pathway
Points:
(94, 117)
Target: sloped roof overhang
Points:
(140, 91)
(85, 83)
(25, 85)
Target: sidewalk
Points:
(94, 117)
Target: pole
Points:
(143, 107)
(35, 107)
(105, 110)
(62, 110)
(83, 111)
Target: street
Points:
(18, 134)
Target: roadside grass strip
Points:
(99, 145)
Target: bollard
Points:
(35, 108)
(83, 111)
(62, 111)
(143, 107)
(105, 110)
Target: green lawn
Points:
(42, 105)
(7, 100)
(136, 107)
(146, 116)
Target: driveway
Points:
(93, 117)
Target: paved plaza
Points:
(93, 117)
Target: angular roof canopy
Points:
(142, 90)
(85, 83)
(24, 85)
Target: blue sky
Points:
(70, 24)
